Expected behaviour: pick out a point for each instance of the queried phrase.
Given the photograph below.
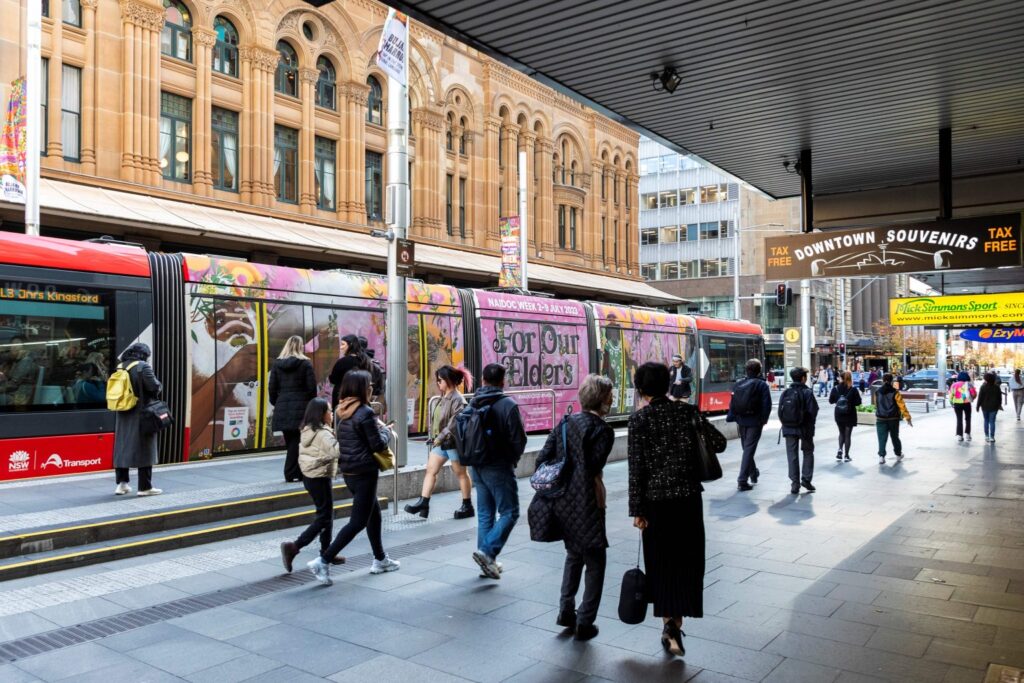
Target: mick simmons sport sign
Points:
(958, 244)
(958, 311)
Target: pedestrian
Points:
(750, 407)
(377, 374)
(862, 382)
(846, 399)
(1017, 390)
(990, 402)
(798, 411)
(889, 410)
(960, 395)
(291, 387)
(822, 381)
(133, 447)
(497, 491)
(577, 516)
(831, 377)
(318, 461)
(681, 378)
(441, 441)
(665, 503)
(771, 378)
(360, 434)
(353, 357)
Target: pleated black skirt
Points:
(674, 556)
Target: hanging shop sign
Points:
(995, 335)
(961, 310)
(960, 244)
(511, 274)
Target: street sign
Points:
(958, 310)
(791, 346)
(406, 257)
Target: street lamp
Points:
(736, 261)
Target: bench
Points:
(927, 396)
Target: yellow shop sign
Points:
(966, 309)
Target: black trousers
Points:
(365, 515)
(595, 561)
(145, 477)
(749, 437)
(291, 458)
(794, 445)
(320, 490)
(845, 434)
(963, 418)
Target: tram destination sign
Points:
(958, 311)
(959, 244)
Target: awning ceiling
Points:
(172, 220)
(865, 85)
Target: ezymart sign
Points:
(967, 309)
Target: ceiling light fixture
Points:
(668, 80)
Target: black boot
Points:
(466, 510)
(421, 507)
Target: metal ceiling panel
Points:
(865, 85)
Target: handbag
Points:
(549, 478)
(155, 417)
(633, 595)
(710, 442)
(386, 458)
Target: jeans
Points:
(595, 561)
(793, 445)
(990, 422)
(845, 434)
(749, 436)
(497, 492)
(963, 418)
(885, 429)
(291, 458)
(145, 477)
(321, 491)
(365, 515)
(1018, 400)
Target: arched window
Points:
(325, 84)
(463, 124)
(449, 139)
(375, 102)
(572, 174)
(286, 79)
(225, 51)
(176, 39)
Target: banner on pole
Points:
(12, 146)
(394, 41)
(511, 274)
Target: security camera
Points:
(382, 234)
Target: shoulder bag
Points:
(550, 477)
(633, 595)
(709, 442)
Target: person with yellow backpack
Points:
(132, 386)
(961, 393)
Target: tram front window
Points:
(727, 358)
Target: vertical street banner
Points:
(12, 146)
(394, 41)
(511, 274)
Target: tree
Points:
(895, 339)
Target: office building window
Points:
(176, 137)
(225, 50)
(176, 37)
(714, 193)
(44, 102)
(374, 186)
(324, 172)
(709, 231)
(669, 271)
(649, 271)
(325, 84)
(374, 102)
(71, 12)
(723, 230)
(667, 199)
(561, 226)
(688, 233)
(649, 200)
(224, 148)
(689, 269)
(688, 196)
(286, 78)
(648, 235)
(572, 228)
(462, 207)
(449, 189)
(286, 164)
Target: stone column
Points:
(489, 221)
(510, 134)
(545, 222)
(633, 222)
(140, 91)
(54, 146)
(620, 215)
(420, 201)
(257, 124)
(307, 181)
(89, 95)
(203, 40)
(356, 96)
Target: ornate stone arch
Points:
(241, 16)
(574, 134)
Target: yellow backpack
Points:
(120, 394)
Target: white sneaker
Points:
(497, 564)
(321, 570)
(122, 489)
(881, 460)
(968, 437)
(487, 564)
(149, 492)
(959, 438)
(385, 565)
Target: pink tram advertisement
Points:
(67, 310)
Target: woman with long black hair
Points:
(353, 357)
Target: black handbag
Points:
(633, 595)
(155, 417)
(710, 442)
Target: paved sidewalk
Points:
(910, 571)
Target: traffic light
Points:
(842, 349)
(780, 294)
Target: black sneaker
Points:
(585, 631)
(839, 455)
(745, 487)
(794, 489)
(755, 475)
(807, 485)
(567, 618)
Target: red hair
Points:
(455, 376)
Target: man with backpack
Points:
(798, 411)
(490, 438)
(750, 408)
(889, 410)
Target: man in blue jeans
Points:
(497, 491)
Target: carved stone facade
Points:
(470, 119)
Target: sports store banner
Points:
(966, 309)
(987, 242)
(995, 335)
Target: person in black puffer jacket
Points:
(360, 435)
(577, 517)
(846, 412)
(292, 386)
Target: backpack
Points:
(474, 435)
(886, 405)
(120, 392)
(378, 377)
(743, 402)
(791, 408)
(843, 404)
(550, 477)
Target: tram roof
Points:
(865, 85)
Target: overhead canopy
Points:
(170, 220)
(865, 85)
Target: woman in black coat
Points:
(353, 357)
(845, 413)
(132, 446)
(577, 517)
(292, 386)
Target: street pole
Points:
(33, 124)
(805, 323)
(736, 275)
(398, 219)
(842, 320)
(523, 223)
(940, 358)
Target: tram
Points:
(67, 309)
